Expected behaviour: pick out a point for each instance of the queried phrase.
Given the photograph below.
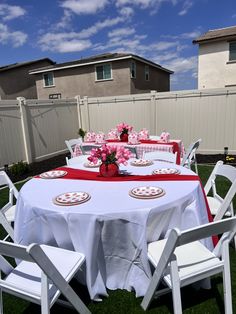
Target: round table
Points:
(112, 229)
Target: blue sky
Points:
(66, 30)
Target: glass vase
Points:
(124, 137)
(109, 170)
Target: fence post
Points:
(153, 94)
(78, 99)
(87, 119)
(25, 129)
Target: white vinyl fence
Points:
(31, 130)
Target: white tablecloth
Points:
(112, 229)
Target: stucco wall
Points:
(214, 71)
(81, 81)
(159, 80)
(17, 82)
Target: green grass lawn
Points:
(121, 301)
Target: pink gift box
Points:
(143, 134)
(113, 135)
(90, 137)
(133, 138)
(100, 138)
(165, 137)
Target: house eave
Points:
(98, 62)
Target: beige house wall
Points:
(158, 80)
(214, 70)
(82, 81)
(17, 82)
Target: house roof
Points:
(102, 58)
(216, 35)
(20, 64)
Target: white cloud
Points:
(63, 42)
(182, 65)
(186, 6)
(190, 35)
(84, 6)
(15, 38)
(65, 21)
(10, 12)
(121, 32)
(74, 41)
(144, 4)
(127, 12)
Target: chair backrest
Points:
(5, 182)
(71, 144)
(86, 148)
(226, 171)
(76, 160)
(191, 153)
(133, 151)
(161, 156)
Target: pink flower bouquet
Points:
(110, 154)
(124, 128)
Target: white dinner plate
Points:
(147, 192)
(71, 198)
(166, 171)
(141, 162)
(53, 174)
(90, 164)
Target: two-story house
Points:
(217, 58)
(15, 80)
(108, 74)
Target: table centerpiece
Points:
(111, 157)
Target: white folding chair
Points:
(190, 157)
(41, 275)
(76, 160)
(161, 156)
(182, 259)
(7, 212)
(72, 143)
(221, 206)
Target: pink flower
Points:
(124, 128)
(110, 154)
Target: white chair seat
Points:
(10, 213)
(192, 259)
(215, 205)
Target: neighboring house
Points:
(15, 80)
(102, 75)
(217, 58)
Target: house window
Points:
(48, 79)
(103, 72)
(133, 69)
(232, 51)
(146, 73)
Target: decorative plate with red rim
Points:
(71, 198)
(166, 171)
(147, 192)
(53, 174)
(90, 164)
(141, 162)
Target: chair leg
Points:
(45, 308)
(227, 280)
(1, 302)
(175, 282)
